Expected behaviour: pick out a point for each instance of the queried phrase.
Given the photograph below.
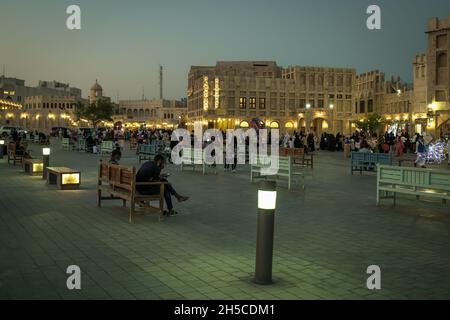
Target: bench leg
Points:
(131, 216)
(99, 198)
(124, 203)
(378, 197)
(161, 208)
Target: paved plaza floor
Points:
(325, 238)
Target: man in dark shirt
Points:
(151, 171)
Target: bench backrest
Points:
(192, 156)
(158, 143)
(147, 149)
(293, 152)
(107, 145)
(123, 177)
(65, 142)
(12, 147)
(380, 158)
(415, 177)
(284, 163)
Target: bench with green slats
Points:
(414, 181)
(286, 169)
(361, 161)
(194, 157)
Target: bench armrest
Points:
(151, 183)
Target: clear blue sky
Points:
(122, 42)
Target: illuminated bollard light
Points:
(267, 198)
(45, 161)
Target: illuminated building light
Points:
(205, 93)
(216, 93)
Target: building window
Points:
(441, 60)
(252, 103)
(242, 103)
(262, 103)
(320, 103)
(441, 41)
(362, 107)
(302, 103)
(370, 106)
(292, 104)
(440, 95)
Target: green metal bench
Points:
(286, 169)
(106, 147)
(414, 181)
(66, 145)
(147, 152)
(361, 161)
(194, 157)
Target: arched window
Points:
(441, 61)
(244, 124)
(289, 125)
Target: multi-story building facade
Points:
(232, 94)
(44, 112)
(39, 107)
(438, 75)
(15, 90)
(368, 93)
(158, 113)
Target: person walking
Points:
(421, 153)
(399, 147)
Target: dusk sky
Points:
(121, 43)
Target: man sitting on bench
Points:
(151, 171)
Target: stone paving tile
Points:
(325, 237)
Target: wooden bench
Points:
(64, 178)
(414, 181)
(286, 169)
(147, 152)
(106, 147)
(192, 157)
(16, 156)
(362, 161)
(299, 156)
(119, 182)
(33, 166)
